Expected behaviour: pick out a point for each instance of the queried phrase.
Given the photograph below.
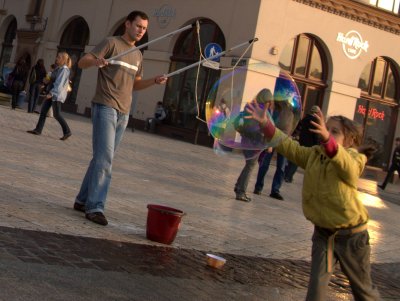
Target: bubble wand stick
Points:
(210, 58)
(150, 42)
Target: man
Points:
(245, 128)
(306, 138)
(110, 109)
(284, 122)
(394, 166)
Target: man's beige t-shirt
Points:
(115, 81)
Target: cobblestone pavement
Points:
(50, 252)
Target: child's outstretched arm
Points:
(260, 114)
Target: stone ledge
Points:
(5, 99)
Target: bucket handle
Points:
(170, 212)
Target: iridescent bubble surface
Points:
(225, 106)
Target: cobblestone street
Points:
(48, 251)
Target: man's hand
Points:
(101, 62)
(160, 80)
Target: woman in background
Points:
(57, 91)
(36, 78)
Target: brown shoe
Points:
(66, 136)
(79, 207)
(276, 195)
(243, 198)
(97, 217)
(33, 132)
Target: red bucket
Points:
(163, 223)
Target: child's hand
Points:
(320, 127)
(256, 112)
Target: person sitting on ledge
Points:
(159, 116)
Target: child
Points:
(331, 201)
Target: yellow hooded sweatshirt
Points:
(330, 196)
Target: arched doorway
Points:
(378, 106)
(73, 41)
(305, 60)
(7, 48)
(179, 97)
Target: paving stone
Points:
(47, 248)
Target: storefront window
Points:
(377, 107)
(390, 5)
(286, 56)
(390, 86)
(364, 78)
(378, 77)
(316, 65)
(303, 58)
(377, 119)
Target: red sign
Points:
(372, 112)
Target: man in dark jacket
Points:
(394, 166)
(306, 138)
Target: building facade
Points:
(342, 54)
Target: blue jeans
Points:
(34, 92)
(108, 128)
(56, 105)
(290, 170)
(278, 176)
(243, 179)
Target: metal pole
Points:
(150, 42)
(210, 58)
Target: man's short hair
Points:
(136, 13)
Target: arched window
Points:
(378, 106)
(180, 94)
(73, 40)
(304, 59)
(7, 48)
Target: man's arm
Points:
(89, 60)
(145, 83)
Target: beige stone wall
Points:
(273, 22)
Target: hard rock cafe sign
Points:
(352, 44)
(164, 15)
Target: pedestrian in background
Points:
(110, 109)
(306, 138)
(284, 117)
(395, 165)
(19, 77)
(331, 201)
(245, 128)
(36, 77)
(158, 117)
(57, 90)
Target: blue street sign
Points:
(212, 49)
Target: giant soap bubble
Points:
(225, 107)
